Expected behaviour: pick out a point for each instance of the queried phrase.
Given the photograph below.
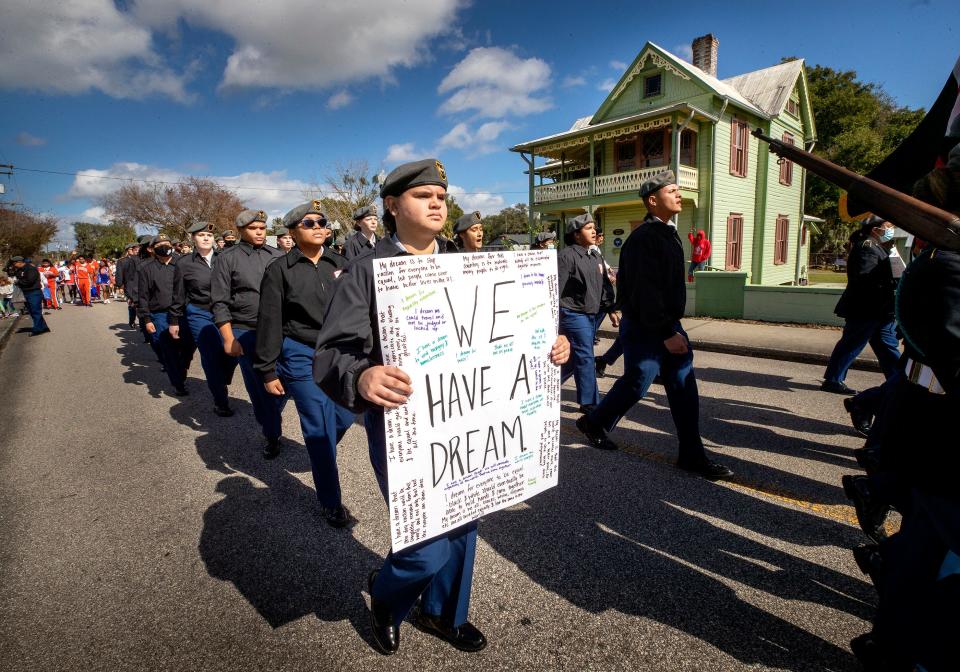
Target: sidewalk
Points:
(7, 327)
(769, 341)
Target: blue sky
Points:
(273, 95)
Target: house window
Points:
(734, 241)
(688, 147)
(654, 148)
(626, 154)
(739, 138)
(786, 167)
(792, 107)
(652, 86)
(780, 240)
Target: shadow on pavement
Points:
(642, 543)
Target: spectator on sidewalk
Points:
(28, 280)
(867, 305)
(700, 249)
(6, 297)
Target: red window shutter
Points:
(745, 146)
(734, 242)
(728, 257)
(781, 234)
(733, 147)
(786, 167)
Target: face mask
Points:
(163, 251)
(886, 236)
(229, 243)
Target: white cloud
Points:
(485, 202)
(27, 140)
(618, 65)
(607, 85)
(480, 141)
(684, 51)
(572, 81)
(72, 47)
(308, 44)
(495, 82)
(94, 214)
(403, 153)
(339, 99)
(273, 191)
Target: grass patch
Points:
(821, 277)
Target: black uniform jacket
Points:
(870, 283)
(349, 342)
(580, 278)
(122, 273)
(356, 245)
(28, 277)
(235, 283)
(651, 282)
(154, 288)
(294, 296)
(191, 284)
(133, 275)
(928, 314)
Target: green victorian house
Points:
(667, 113)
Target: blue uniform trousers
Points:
(881, 334)
(175, 354)
(322, 421)
(218, 367)
(34, 300)
(645, 355)
(267, 409)
(440, 570)
(579, 328)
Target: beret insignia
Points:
(441, 171)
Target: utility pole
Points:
(6, 169)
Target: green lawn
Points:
(820, 276)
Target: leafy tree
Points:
(24, 233)
(454, 212)
(103, 239)
(346, 187)
(174, 209)
(512, 219)
(858, 125)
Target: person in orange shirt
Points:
(49, 274)
(81, 271)
(93, 269)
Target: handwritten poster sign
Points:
(481, 430)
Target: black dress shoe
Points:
(711, 471)
(337, 516)
(600, 365)
(837, 387)
(870, 562)
(595, 435)
(223, 411)
(465, 637)
(870, 513)
(271, 450)
(861, 419)
(386, 635)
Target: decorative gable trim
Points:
(658, 61)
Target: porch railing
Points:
(616, 183)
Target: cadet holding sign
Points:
(348, 365)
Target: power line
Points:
(232, 186)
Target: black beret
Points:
(466, 222)
(294, 217)
(544, 236)
(414, 174)
(577, 223)
(249, 216)
(129, 246)
(17, 258)
(145, 240)
(200, 227)
(161, 238)
(360, 213)
(228, 232)
(657, 182)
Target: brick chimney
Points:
(705, 53)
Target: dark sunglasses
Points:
(313, 223)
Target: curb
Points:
(7, 328)
(761, 352)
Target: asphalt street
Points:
(139, 531)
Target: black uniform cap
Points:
(414, 174)
(249, 217)
(161, 238)
(657, 182)
(295, 216)
(228, 232)
(16, 258)
(200, 227)
(544, 236)
(578, 222)
(366, 210)
(145, 240)
(466, 222)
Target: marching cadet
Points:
(348, 365)
(219, 242)
(294, 295)
(235, 301)
(468, 232)
(229, 237)
(365, 221)
(191, 304)
(580, 282)
(145, 252)
(154, 297)
(545, 240)
(126, 269)
(284, 241)
(651, 291)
